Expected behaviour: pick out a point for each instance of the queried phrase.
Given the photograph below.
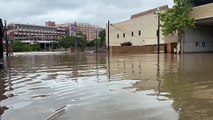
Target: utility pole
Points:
(96, 41)
(1, 41)
(158, 31)
(75, 30)
(108, 35)
(6, 40)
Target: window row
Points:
(132, 34)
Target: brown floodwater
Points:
(83, 86)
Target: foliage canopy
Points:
(177, 18)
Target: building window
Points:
(203, 44)
(139, 33)
(132, 33)
(117, 35)
(196, 44)
(124, 35)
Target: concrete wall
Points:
(204, 11)
(202, 36)
(146, 24)
(135, 49)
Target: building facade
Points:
(200, 2)
(200, 38)
(50, 24)
(34, 33)
(90, 31)
(140, 31)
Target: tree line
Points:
(79, 41)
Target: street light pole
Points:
(1, 40)
(108, 36)
(158, 31)
(96, 45)
(6, 40)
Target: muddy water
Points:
(60, 86)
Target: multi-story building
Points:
(90, 31)
(35, 34)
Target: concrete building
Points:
(200, 2)
(31, 34)
(140, 30)
(91, 31)
(200, 38)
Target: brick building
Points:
(44, 35)
(91, 31)
(34, 33)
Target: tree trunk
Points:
(180, 42)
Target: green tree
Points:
(18, 46)
(90, 43)
(176, 19)
(102, 36)
(81, 40)
(55, 45)
(67, 42)
(34, 47)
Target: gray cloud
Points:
(62, 11)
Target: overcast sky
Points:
(62, 11)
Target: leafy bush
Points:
(18, 46)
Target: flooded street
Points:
(83, 86)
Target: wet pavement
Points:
(83, 86)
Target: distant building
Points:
(91, 31)
(35, 34)
(50, 24)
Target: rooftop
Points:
(200, 2)
(165, 7)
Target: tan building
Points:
(140, 30)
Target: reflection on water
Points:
(86, 86)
